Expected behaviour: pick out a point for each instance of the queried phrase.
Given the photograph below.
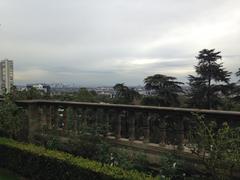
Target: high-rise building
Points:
(6, 75)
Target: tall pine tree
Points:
(238, 73)
(207, 86)
(236, 96)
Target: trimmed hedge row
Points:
(38, 162)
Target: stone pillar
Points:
(45, 118)
(33, 121)
(83, 117)
(131, 118)
(52, 117)
(119, 124)
(180, 133)
(75, 120)
(65, 119)
(146, 124)
(106, 121)
(44, 115)
(97, 118)
(162, 131)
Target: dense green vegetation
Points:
(8, 175)
(12, 119)
(125, 95)
(165, 89)
(204, 93)
(90, 144)
(39, 163)
(217, 146)
(220, 143)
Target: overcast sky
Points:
(103, 42)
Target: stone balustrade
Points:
(137, 126)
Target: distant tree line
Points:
(210, 88)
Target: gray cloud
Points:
(104, 42)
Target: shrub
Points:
(94, 147)
(36, 162)
(11, 119)
(217, 147)
(172, 166)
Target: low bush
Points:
(217, 146)
(37, 162)
(98, 149)
(12, 120)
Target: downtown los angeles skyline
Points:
(105, 42)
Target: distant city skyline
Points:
(101, 43)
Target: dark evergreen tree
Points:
(166, 88)
(236, 96)
(198, 89)
(238, 73)
(125, 95)
(85, 96)
(120, 90)
(208, 85)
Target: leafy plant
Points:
(52, 143)
(217, 147)
(11, 118)
(171, 166)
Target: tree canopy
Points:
(206, 87)
(125, 95)
(238, 73)
(166, 88)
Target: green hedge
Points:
(38, 162)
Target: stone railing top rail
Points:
(132, 107)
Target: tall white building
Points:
(6, 75)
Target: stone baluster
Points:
(33, 120)
(146, 124)
(131, 119)
(75, 120)
(106, 122)
(52, 115)
(84, 117)
(119, 124)
(82, 121)
(97, 117)
(45, 117)
(180, 133)
(65, 119)
(162, 131)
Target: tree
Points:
(238, 73)
(208, 83)
(11, 118)
(124, 94)
(216, 145)
(197, 91)
(121, 90)
(33, 93)
(166, 88)
(85, 96)
(28, 94)
(236, 93)
(133, 95)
